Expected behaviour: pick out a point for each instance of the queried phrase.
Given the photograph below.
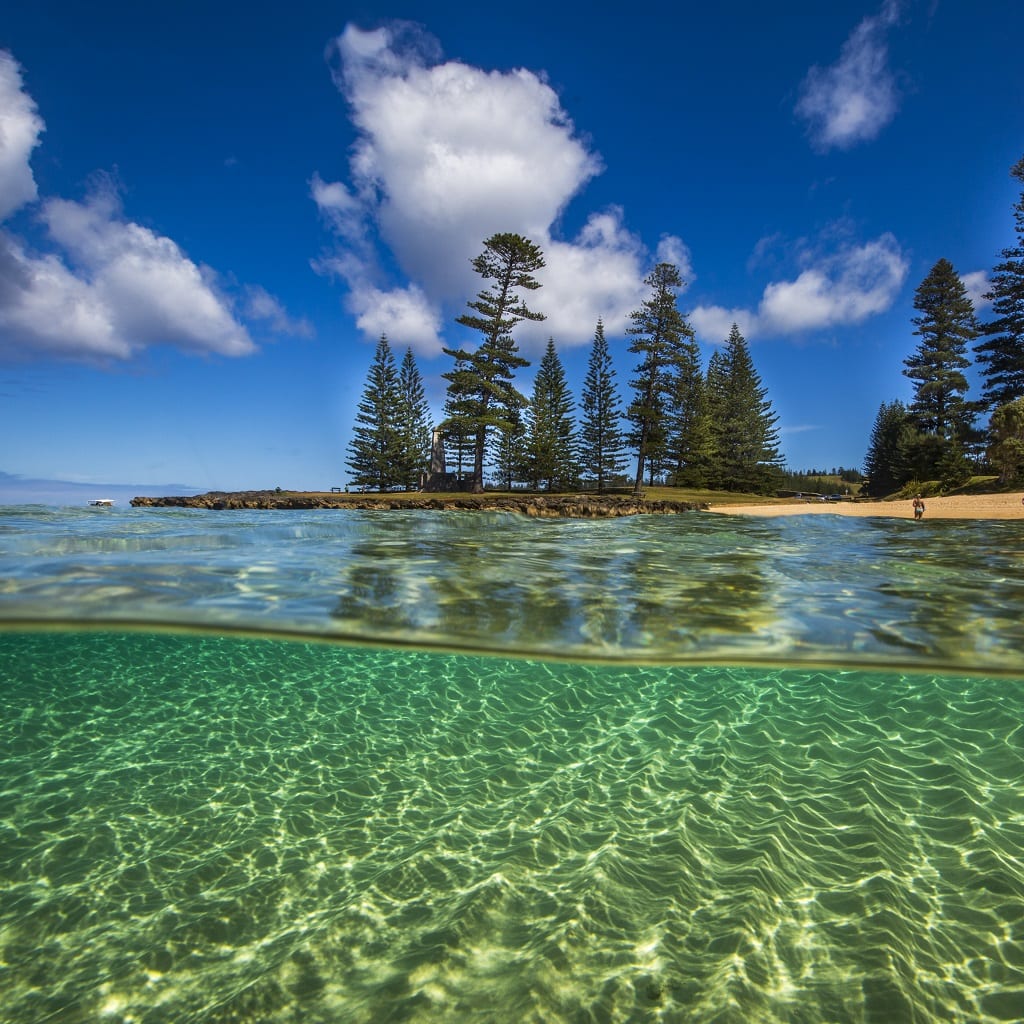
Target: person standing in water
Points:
(918, 506)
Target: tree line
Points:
(684, 426)
(936, 436)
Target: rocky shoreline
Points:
(537, 506)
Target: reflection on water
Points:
(203, 829)
(695, 586)
(587, 588)
(197, 828)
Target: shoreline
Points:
(535, 506)
(958, 506)
(1009, 506)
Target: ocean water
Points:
(320, 767)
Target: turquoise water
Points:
(629, 825)
(697, 586)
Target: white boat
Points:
(102, 502)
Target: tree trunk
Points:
(478, 460)
(638, 486)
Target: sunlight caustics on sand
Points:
(262, 767)
(214, 829)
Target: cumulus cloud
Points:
(126, 288)
(852, 100)
(845, 289)
(447, 155)
(108, 287)
(46, 310)
(978, 286)
(713, 323)
(842, 289)
(404, 314)
(20, 128)
(598, 274)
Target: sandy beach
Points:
(973, 506)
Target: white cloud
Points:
(46, 310)
(599, 274)
(405, 315)
(123, 289)
(155, 294)
(110, 287)
(674, 250)
(338, 205)
(713, 323)
(846, 288)
(978, 286)
(841, 289)
(261, 305)
(449, 154)
(20, 128)
(852, 100)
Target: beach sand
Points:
(969, 506)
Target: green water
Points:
(208, 828)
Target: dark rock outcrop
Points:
(538, 506)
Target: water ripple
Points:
(694, 587)
(212, 829)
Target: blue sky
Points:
(211, 211)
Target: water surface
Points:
(209, 825)
(696, 586)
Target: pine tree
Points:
(601, 443)
(483, 378)
(375, 452)
(551, 431)
(414, 422)
(1006, 451)
(886, 464)
(688, 437)
(509, 452)
(659, 329)
(715, 392)
(946, 326)
(742, 424)
(458, 433)
(1002, 355)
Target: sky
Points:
(209, 213)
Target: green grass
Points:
(698, 496)
(934, 488)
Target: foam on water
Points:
(200, 828)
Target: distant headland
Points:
(538, 506)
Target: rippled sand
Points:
(973, 506)
(204, 829)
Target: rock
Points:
(537, 506)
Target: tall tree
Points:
(688, 437)
(601, 443)
(886, 463)
(509, 452)
(1007, 449)
(483, 378)
(744, 435)
(946, 325)
(551, 430)
(458, 433)
(375, 452)
(1002, 354)
(658, 331)
(414, 422)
